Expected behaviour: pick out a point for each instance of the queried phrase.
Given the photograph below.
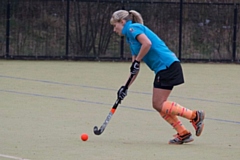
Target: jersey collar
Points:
(126, 26)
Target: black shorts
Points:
(170, 77)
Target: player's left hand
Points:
(135, 67)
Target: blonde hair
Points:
(133, 15)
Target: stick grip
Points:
(128, 82)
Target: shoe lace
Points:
(180, 137)
(194, 124)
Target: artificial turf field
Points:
(46, 105)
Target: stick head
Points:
(96, 131)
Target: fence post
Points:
(67, 28)
(180, 30)
(234, 48)
(8, 29)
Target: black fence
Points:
(78, 29)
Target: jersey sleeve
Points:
(134, 31)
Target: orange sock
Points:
(175, 122)
(173, 108)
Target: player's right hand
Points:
(121, 93)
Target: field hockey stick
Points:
(113, 109)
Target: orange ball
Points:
(84, 137)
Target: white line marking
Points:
(12, 157)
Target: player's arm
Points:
(134, 69)
(145, 46)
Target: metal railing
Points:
(78, 29)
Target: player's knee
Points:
(157, 105)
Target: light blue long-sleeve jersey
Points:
(159, 57)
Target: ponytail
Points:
(126, 15)
(136, 17)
